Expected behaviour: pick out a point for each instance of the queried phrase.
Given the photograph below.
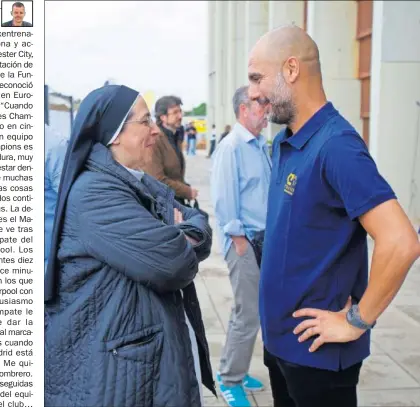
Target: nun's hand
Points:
(191, 240)
(178, 216)
(179, 219)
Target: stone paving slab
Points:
(389, 378)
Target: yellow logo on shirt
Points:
(290, 185)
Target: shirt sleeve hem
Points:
(372, 203)
(234, 228)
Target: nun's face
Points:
(138, 134)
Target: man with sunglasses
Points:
(166, 161)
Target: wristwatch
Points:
(353, 318)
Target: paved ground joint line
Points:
(213, 305)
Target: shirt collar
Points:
(247, 136)
(136, 173)
(299, 139)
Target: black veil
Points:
(99, 117)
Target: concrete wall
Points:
(283, 13)
(241, 77)
(221, 59)
(211, 63)
(332, 24)
(234, 27)
(256, 24)
(395, 91)
(231, 60)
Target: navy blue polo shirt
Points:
(315, 252)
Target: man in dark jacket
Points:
(165, 161)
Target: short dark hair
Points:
(18, 4)
(164, 104)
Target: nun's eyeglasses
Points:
(148, 121)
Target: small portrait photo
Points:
(16, 13)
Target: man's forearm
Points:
(391, 262)
(236, 237)
(238, 240)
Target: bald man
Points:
(326, 194)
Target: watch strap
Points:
(353, 318)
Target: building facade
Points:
(370, 59)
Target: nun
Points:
(123, 325)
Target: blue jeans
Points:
(191, 146)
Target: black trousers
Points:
(311, 387)
(278, 383)
(212, 147)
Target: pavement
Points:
(390, 376)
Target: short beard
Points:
(283, 109)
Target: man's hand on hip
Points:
(241, 245)
(331, 327)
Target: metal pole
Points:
(46, 106)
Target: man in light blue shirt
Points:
(240, 180)
(55, 153)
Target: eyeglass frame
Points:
(147, 122)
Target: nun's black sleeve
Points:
(117, 230)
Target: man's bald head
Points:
(283, 70)
(282, 43)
